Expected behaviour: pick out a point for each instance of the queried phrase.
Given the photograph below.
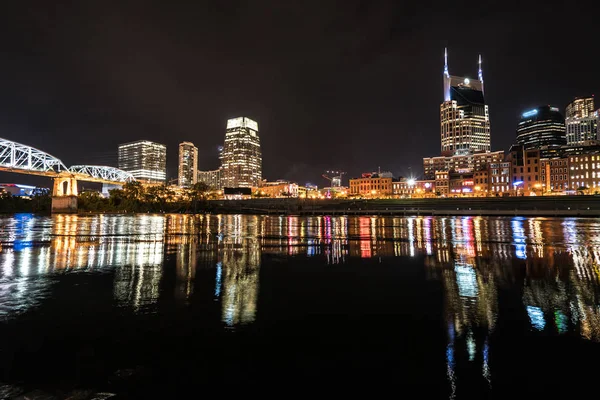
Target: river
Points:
(159, 306)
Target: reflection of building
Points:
(465, 121)
(581, 121)
(238, 271)
(145, 160)
(542, 126)
(188, 164)
(241, 157)
(211, 178)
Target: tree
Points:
(133, 190)
(198, 192)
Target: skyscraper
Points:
(464, 116)
(241, 157)
(146, 160)
(581, 121)
(188, 164)
(542, 126)
(581, 107)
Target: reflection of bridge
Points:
(23, 159)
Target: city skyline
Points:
(318, 93)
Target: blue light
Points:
(536, 315)
(529, 113)
(517, 183)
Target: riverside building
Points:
(241, 158)
(145, 160)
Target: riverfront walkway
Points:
(501, 206)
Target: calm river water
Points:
(179, 306)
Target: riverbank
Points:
(564, 206)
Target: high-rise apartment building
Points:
(241, 157)
(581, 121)
(464, 116)
(145, 160)
(188, 164)
(542, 126)
(211, 178)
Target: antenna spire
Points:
(446, 73)
(480, 73)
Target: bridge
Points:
(19, 158)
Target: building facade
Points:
(540, 127)
(241, 158)
(584, 172)
(441, 183)
(555, 175)
(187, 170)
(526, 170)
(371, 186)
(472, 161)
(581, 121)
(211, 178)
(464, 116)
(279, 189)
(500, 178)
(145, 160)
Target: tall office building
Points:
(581, 107)
(241, 156)
(581, 121)
(146, 160)
(464, 116)
(188, 164)
(542, 126)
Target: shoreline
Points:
(546, 206)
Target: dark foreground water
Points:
(177, 306)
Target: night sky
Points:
(349, 85)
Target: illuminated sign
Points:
(468, 183)
(554, 109)
(427, 185)
(517, 183)
(529, 113)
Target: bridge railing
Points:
(104, 173)
(17, 156)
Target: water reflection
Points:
(553, 265)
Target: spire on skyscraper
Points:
(480, 71)
(446, 76)
(446, 73)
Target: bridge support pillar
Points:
(64, 195)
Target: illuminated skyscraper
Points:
(241, 157)
(542, 126)
(464, 116)
(581, 107)
(188, 164)
(581, 121)
(145, 160)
